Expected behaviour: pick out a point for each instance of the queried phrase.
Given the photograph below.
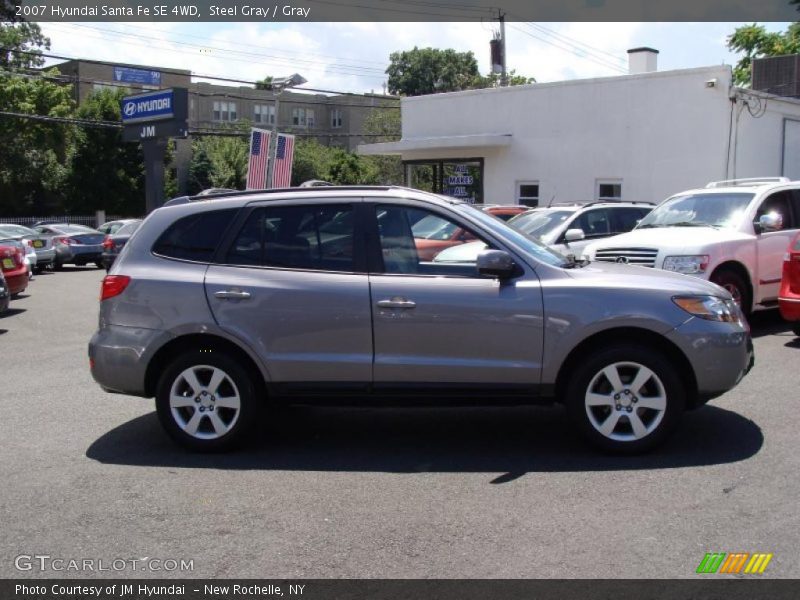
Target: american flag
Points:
(284, 154)
(257, 167)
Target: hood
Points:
(683, 239)
(613, 275)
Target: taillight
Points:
(107, 243)
(19, 254)
(30, 243)
(65, 240)
(113, 285)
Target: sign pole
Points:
(155, 151)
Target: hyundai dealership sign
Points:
(158, 114)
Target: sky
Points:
(352, 57)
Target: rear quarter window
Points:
(195, 237)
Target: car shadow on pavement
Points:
(12, 311)
(768, 322)
(2, 331)
(512, 441)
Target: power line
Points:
(577, 43)
(344, 69)
(184, 73)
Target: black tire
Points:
(242, 383)
(100, 265)
(37, 270)
(58, 266)
(796, 328)
(587, 377)
(733, 282)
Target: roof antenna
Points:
(549, 204)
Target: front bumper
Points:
(721, 354)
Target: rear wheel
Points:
(626, 399)
(100, 265)
(58, 266)
(733, 283)
(206, 402)
(796, 328)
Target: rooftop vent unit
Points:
(779, 75)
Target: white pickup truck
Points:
(734, 233)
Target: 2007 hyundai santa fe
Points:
(220, 305)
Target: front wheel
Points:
(733, 283)
(206, 402)
(626, 399)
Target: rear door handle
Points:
(232, 295)
(397, 303)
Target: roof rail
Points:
(223, 193)
(747, 181)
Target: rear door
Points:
(291, 282)
(442, 325)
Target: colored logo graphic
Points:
(735, 563)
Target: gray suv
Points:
(221, 305)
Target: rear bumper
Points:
(45, 257)
(17, 281)
(790, 308)
(119, 357)
(86, 254)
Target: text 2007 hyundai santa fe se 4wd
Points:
(220, 305)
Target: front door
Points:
(439, 321)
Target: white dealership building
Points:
(640, 136)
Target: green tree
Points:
(383, 125)
(431, 70)
(33, 150)
(106, 173)
(264, 84)
(218, 161)
(756, 42)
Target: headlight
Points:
(711, 308)
(686, 264)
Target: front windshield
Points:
(538, 251)
(724, 211)
(540, 224)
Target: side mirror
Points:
(496, 263)
(574, 235)
(770, 222)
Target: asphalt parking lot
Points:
(324, 493)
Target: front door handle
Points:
(232, 295)
(397, 303)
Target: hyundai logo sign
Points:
(152, 106)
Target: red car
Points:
(12, 263)
(432, 234)
(789, 295)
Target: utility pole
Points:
(503, 75)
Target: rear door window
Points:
(594, 223)
(314, 237)
(195, 237)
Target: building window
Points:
(264, 113)
(336, 118)
(609, 190)
(528, 193)
(224, 111)
(302, 117)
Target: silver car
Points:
(219, 306)
(40, 251)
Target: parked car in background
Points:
(76, 244)
(28, 254)
(504, 212)
(114, 243)
(432, 235)
(15, 271)
(5, 295)
(111, 227)
(789, 295)
(220, 308)
(733, 233)
(40, 244)
(569, 228)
